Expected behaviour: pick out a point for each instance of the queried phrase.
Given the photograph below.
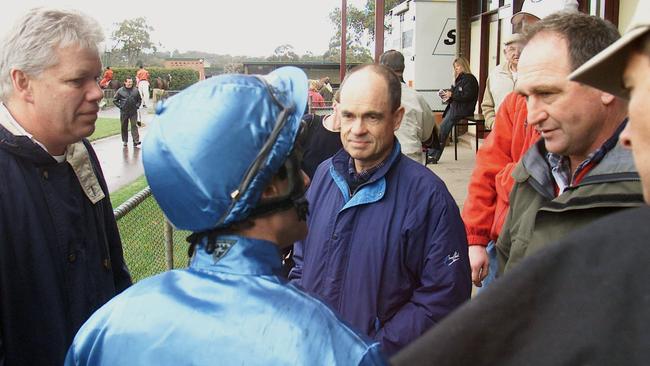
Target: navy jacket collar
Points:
(340, 163)
(24, 147)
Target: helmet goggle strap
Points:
(263, 154)
(296, 192)
(296, 185)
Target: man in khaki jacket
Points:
(501, 80)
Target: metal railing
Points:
(151, 245)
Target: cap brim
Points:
(517, 17)
(605, 70)
(516, 37)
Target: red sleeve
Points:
(493, 157)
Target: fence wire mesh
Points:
(150, 244)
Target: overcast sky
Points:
(235, 27)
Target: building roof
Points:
(319, 64)
(184, 59)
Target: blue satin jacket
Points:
(228, 308)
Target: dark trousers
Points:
(133, 118)
(445, 128)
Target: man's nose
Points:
(305, 178)
(626, 136)
(96, 93)
(536, 112)
(358, 127)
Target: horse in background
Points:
(114, 84)
(109, 93)
(160, 87)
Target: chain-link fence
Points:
(150, 243)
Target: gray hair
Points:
(32, 43)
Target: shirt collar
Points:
(356, 179)
(561, 168)
(238, 255)
(9, 122)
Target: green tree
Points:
(132, 39)
(369, 14)
(284, 52)
(360, 31)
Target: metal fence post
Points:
(169, 245)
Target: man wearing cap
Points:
(501, 80)
(487, 202)
(386, 246)
(417, 124)
(239, 188)
(584, 300)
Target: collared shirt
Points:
(561, 167)
(355, 179)
(20, 131)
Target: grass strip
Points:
(105, 127)
(143, 234)
(123, 194)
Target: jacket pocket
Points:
(518, 249)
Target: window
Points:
(407, 38)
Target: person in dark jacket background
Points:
(60, 251)
(321, 138)
(128, 99)
(461, 101)
(386, 247)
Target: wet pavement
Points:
(121, 165)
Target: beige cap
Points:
(543, 8)
(605, 70)
(512, 38)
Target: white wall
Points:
(625, 13)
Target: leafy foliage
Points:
(284, 52)
(360, 31)
(132, 39)
(180, 78)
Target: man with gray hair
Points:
(417, 125)
(60, 251)
(501, 80)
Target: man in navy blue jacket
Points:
(60, 251)
(386, 246)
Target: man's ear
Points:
(273, 189)
(606, 98)
(398, 115)
(21, 83)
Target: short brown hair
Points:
(392, 59)
(586, 35)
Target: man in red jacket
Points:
(487, 202)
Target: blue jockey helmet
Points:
(213, 148)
